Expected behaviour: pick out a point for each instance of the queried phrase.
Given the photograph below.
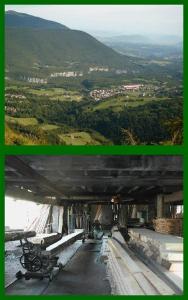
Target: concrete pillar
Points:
(65, 219)
(71, 226)
(160, 206)
(55, 218)
(134, 211)
(173, 211)
(167, 211)
(152, 211)
(79, 216)
(60, 223)
(123, 215)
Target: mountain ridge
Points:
(27, 45)
(18, 19)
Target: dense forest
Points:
(148, 122)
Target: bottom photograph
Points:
(93, 225)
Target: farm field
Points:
(57, 115)
(21, 121)
(51, 93)
(122, 102)
(78, 138)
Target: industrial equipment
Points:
(36, 262)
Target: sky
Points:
(29, 211)
(118, 19)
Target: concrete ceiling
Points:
(91, 179)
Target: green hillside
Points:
(28, 131)
(17, 19)
(30, 43)
(27, 46)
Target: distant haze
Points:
(112, 19)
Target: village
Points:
(150, 90)
(67, 74)
(35, 80)
(100, 94)
(98, 69)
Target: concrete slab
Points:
(29, 287)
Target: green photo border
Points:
(181, 150)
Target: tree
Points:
(129, 138)
(175, 128)
(87, 84)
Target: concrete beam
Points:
(19, 194)
(16, 163)
(174, 197)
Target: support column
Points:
(160, 206)
(123, 216)
(167, 212)
(134, 211)
(60, 223)
(152, 209)
(65, 219)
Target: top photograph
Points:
(94, 75)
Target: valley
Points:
(65, 87)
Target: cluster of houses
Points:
(98, 69)
(70, 74)
(119, 72)
(67, 74)
(9, 107)
(10, 110)
(132, 87)
(37, 80)
(91, 69)
(15, 96)
(79, 73)
(106, 93)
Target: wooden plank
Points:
(133, 287)
(18, 235)
(148, 281)
(168, 226)
(125, 277)
(46, 239)
(175, 278)
(118, 236)
(130, 264)
(146, 286)
(158, 283)
(122, 288)
(104, 249)
(64, 242)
